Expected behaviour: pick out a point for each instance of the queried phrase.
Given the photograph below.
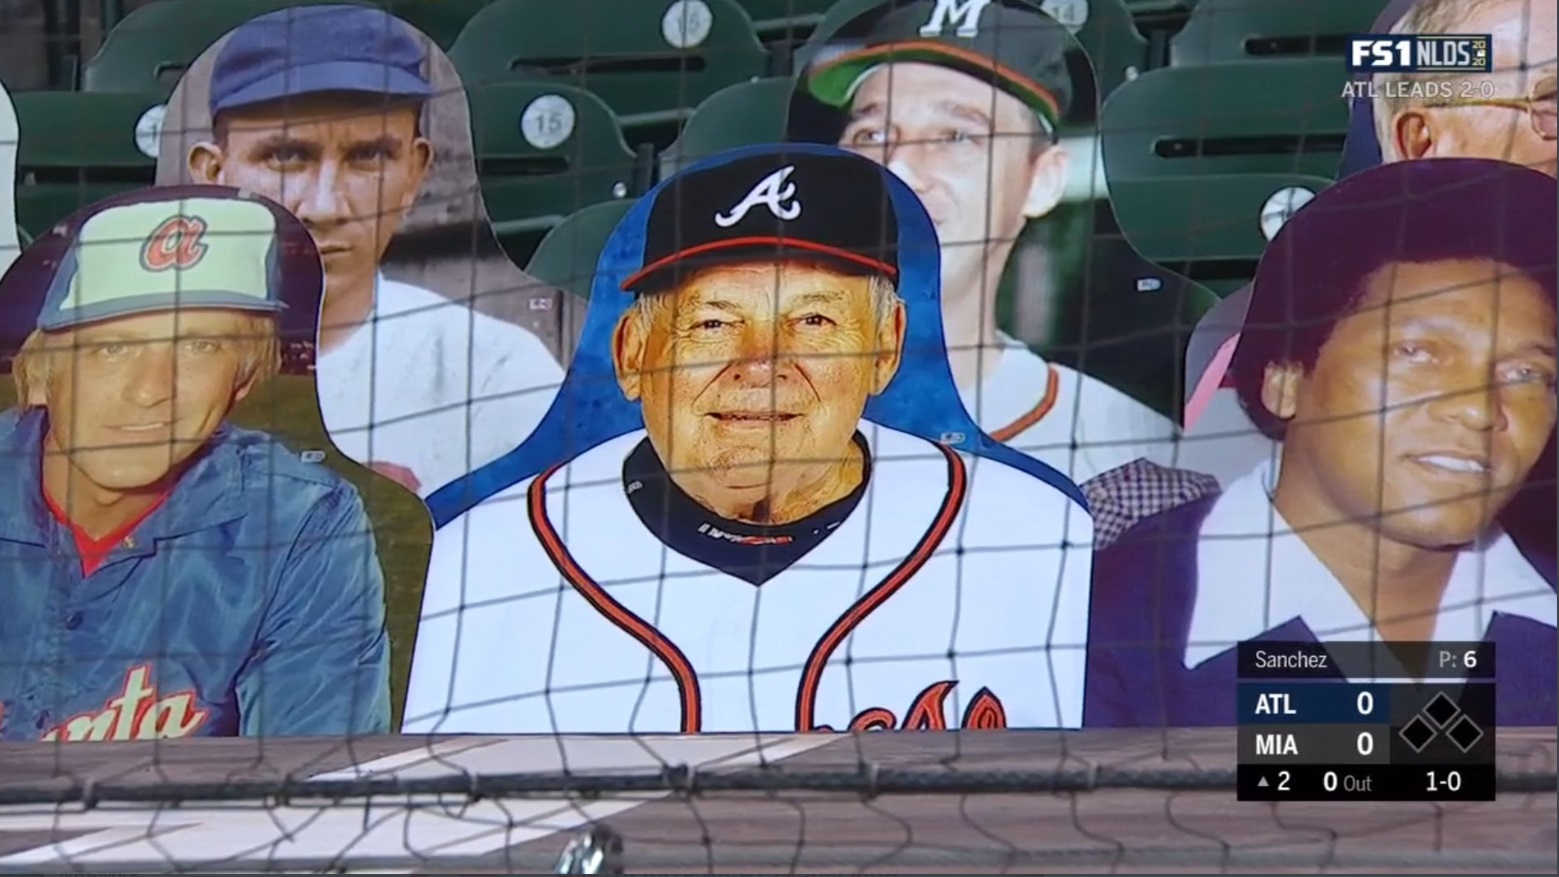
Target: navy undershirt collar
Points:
(752, 552)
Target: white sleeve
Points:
(1030, 548)
(1068, 637)
(1114, 429)
(435, 660)
(511, 394)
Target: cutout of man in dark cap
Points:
(320, 108)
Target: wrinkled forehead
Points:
(767, 284)
(911, 89)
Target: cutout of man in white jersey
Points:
(960, 99)
(10, 137)
(759, 557)
(322, 108)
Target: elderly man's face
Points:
(751, 376)
(1430, 404)
(1524, 48)
(129, 400)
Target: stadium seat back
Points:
(1209, 218)
(793, 19)
(1222, 31)
(1105, 30)
(1132, 329)
(651, 62)
(152, 47)
(839, 14)
(80, 147)
(544, 150)
(567, 256)
(441, 20)
(1273, 117)
(745, 114)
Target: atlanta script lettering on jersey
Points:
(135, 713)
(926, 713)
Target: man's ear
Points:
(1047, 182)
(628, 341)
(242, 391)
(890, 346)
(421, 162)
(1280, 385)
(37, 383)
(205, 162)
(1412, 135)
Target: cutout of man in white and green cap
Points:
(247, 594)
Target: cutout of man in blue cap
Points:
(168, 574)
(790, 535)
(320, 109)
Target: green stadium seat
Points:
(650, 62)
(745, 114)
(1208, 218)
(1135, 331)
(544, 150)
(1108, 34)
(841, 13)
(568, 255)
(151, 48)
(1222, 31)
(1271, 117)
(80, 147)
(792, 19)
(441, 20)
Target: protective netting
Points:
(476, 480)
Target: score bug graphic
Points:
(1412, 53)
(1309, 736)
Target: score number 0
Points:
(1365, 744)
(1365, 703)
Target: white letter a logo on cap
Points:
(966, 13)
(774, 192)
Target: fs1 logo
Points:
(1405, 53)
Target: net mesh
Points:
(1127, 800)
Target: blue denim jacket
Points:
(250, 603)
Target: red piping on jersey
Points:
(663, 649)
(812, 673)
(1035, 414)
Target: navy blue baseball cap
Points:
(833, 207)
(312, 49)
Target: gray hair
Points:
(1425, 17)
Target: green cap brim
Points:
(834, 81)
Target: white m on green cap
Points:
(159, 255)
